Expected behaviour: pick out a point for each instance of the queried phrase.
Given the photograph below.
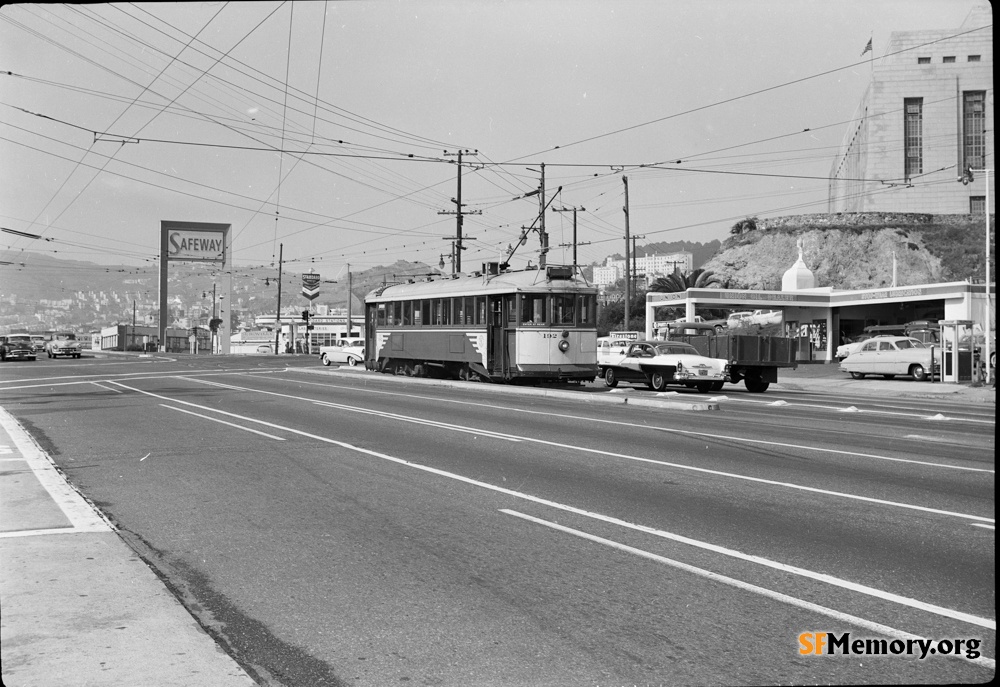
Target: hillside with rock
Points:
(855, 251)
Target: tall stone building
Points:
(926, 116)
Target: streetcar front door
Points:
(371, 355)
(501, 309)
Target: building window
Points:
(948, 59)
(974, 131)
(977, 205)
(913, 136)
(923, 60)
(973, 58)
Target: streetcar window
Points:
(480, 309)
(469, 308)
(441, 310)
(380, 315)
(532, 308)
(459, 311)
(407, 312)
(587, 309)
(563, 309)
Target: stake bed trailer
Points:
(752, 359)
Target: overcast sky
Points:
(118, 116)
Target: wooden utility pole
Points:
(277, 319)
(575, 244)
(543, 237)
(628, 261)
(459, 220)
(635, 261)
(349, 287)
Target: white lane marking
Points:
(215, 419)
(829, 579)
(670, 430)
(132, 376)
(984, 526)
(584, 449)
(107, 388)
(739, 584)
(420, 421)
(870, 411)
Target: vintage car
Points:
(698, 322)
(758, 317)
(659, 363)
(889, 356)
(611, 349)
(38, 341)
(16, 347)
(63, 343)
(845, 349)
(350, 351)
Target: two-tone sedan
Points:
(889, 356)
(63, 344)
(660, 363)
(16, 347)
(350, 351)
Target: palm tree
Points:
(744, 225)
(679, 281)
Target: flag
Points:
(868, 48)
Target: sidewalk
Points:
(79, 606)
(819, 378)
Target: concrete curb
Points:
(79, 605)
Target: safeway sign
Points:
(310, 285)
(196, 245)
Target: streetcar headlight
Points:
(564, 345)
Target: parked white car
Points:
(889, 356)
(350, 351)
(844, 350)
(63, 343)
(760, 317)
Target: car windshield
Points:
(676, 349)
(19, 339)
(65, 337)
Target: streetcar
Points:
(534, 325)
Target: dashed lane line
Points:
(759, 560)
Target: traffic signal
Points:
(305, 317)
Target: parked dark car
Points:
(16, 347)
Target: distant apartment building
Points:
(647, 267)
(924, 119)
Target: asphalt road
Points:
(363, 529)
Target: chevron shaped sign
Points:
(310, 285)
